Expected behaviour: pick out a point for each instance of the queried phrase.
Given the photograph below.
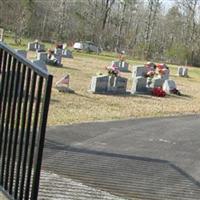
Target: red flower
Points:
(158, 91)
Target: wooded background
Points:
(145, 29)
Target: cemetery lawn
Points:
(84, 106)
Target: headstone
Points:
(31, 46)
(64, 47)
(116, 63)
(40, 47)
(42, 56)
(169, 85)
(23, 53)
(139, 85)
(66, 53)
(121, 84)
(36, 46)
(58, 55)
(99, 84)
(180, 71)
(156, 82)
(165, 75)
(1, 34)
(139, 71)
(123, 66)
(41, 64)
(185, 72)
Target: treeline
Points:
(143, 28)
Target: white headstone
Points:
(182, 71)
(99, 84)
(169, 85)
(185, 72)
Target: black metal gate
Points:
(25, 93)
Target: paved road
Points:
(154, 159)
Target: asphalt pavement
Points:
(153, 158)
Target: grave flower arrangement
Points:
(113, 70)
(162, 69)
(150, 70)
(150, 74)
(159, 92)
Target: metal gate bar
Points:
(25, 92)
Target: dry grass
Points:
(84, 106)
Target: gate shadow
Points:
(123, 175)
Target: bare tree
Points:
(139, 27)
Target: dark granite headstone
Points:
(121, 84)
(139, 85)
(99, 84)
(139, 71)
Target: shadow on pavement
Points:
(125, 176)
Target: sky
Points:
(167, 4)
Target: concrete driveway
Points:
(155, 158)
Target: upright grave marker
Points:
(139, 80)
(121, 84)
(58, 56)
(36, 46)
(42, 56)
(140, 70)
(168, 86)
(139, 85)
(99, 84)
(156, 82)
(182, 71)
